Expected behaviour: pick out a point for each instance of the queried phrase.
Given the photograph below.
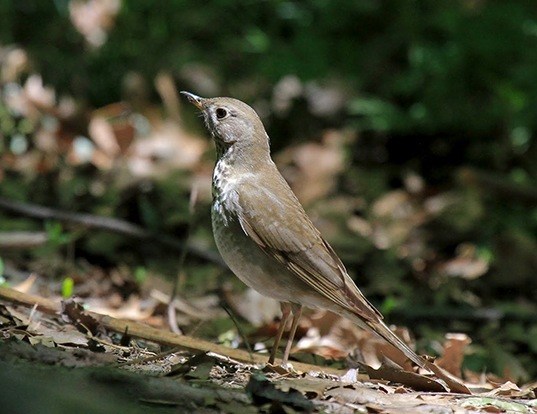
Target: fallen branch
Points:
(110, 224)
(139, 330)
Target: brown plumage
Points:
(264, 234)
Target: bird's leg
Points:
(286, 311)
(297, 312)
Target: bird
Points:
(265, 236)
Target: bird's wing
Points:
(298, 245)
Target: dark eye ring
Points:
(221, 113)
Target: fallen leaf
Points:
(93, 18)
(312, 169)
(62, 337)
(493, 405)
(392, 372)
(42, 340)
(453, 354)
(467, 264)
(132, 309)
(309, 386)
(26, 285)
(73, 312)
(22, 315)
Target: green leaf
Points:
(68, 285)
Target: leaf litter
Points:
(281, 391)
(321, 333)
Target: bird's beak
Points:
(195, 100)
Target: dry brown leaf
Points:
(38, 95)
(312, 168)
(309, 386)
(506, 389)
(73, 312)
(375, 401)
(27, 284)
(332, 336)
(453, 354)
(64, 336)
(102, 133)
(395, 216)
(93, 18)
(31, 99)
(202, 308)
(133, 308)
(166, 148)
(22, 315)
(15, 62)
(392, 372)
(466, 264)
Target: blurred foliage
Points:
(441, 91)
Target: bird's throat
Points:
(224, 195)
(221, 149)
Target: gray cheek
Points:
(227, 134)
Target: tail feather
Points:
(383, 331)
(380, 328)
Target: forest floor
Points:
(58, 357)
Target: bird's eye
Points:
(221, 113)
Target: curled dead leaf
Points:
(453, 354)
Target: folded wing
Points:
(299, 246)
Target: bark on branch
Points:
(139, 330)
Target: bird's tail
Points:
(453, 383)
(382, 330)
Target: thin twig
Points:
(238, 326)
(110, 224)
(179, 280)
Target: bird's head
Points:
(231, 123)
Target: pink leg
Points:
(297, 312)
(286, 311)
